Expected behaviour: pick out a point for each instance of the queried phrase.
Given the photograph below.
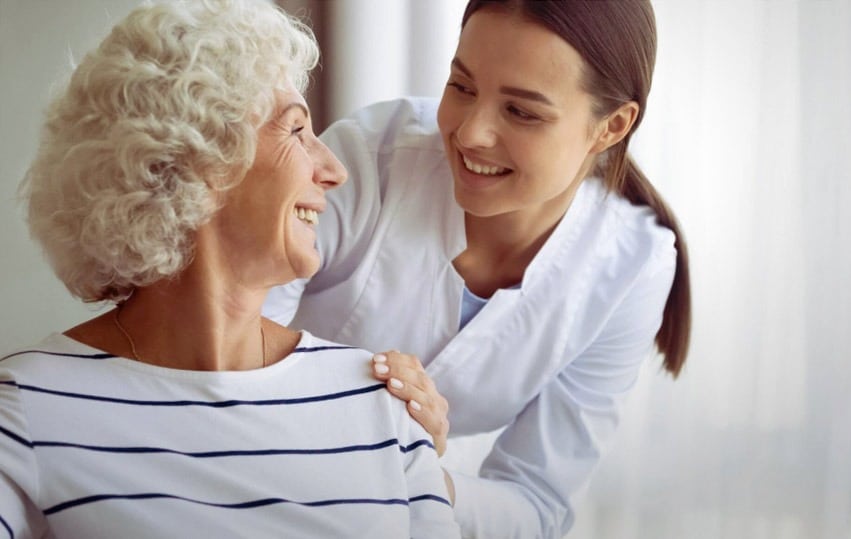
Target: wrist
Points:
(450, 487)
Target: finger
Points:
(432, 418)
(405, 383)
(406, 379)
(414, 395)
(411, 375)
(413, 385)
(380, 368)
(436, 425)
(430, 411)
(425, 405)
(394, 357)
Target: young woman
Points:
(504, 239)
(179, 177)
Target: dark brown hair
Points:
(617, 41)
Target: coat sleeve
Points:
(20, 517)
(528, 483)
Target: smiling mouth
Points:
(307, 215)
(484, 170)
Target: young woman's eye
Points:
(522, 114)
(460, 87)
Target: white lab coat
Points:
(549, 361)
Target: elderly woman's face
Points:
(268, 220)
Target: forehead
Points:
(498, 45)
(287, 94)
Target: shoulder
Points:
(347, 366)
(346, 371)
(56, 361)
(53, 348)
(409, 122)
(629, 235)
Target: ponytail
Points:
(623, 176)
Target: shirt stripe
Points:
(245, 453)
(211, 404)
(309, 349)
(104, 355)
(60, 354)
(432, 497)
(7, 527)
(241, 505)
(21, 440)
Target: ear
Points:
(614, 127)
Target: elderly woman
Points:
(179, 177)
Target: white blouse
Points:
(550, 361)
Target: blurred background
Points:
(747, 134)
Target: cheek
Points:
(550, 163)
(565, 149)
(445, 116)
(291, 172)
(299, 175)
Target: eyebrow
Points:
(508, 90)
(295, 104)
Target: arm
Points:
(20, 517)
(545, 457)
(430, 509)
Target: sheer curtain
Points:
(748, 135)
(373, 50)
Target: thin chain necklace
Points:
(133, 344)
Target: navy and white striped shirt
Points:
(97, 446)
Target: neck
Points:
(196, 322)
(501, 247)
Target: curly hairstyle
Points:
(152, 124)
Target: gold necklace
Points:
(133, 344)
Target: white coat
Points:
(549, 361)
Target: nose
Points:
(328, 171)
(477, 128)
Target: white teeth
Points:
(307, 215)
(480, 169)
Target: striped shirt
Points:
(93, 445)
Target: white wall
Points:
(36, 40)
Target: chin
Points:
(476, 205)
(306, 269)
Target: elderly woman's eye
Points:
(297, 131)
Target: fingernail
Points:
(381, 368)
(379, 358)
(416, 406)
(396, 383)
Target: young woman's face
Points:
(268, 220)
(515, 123)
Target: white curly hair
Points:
(156, 120)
